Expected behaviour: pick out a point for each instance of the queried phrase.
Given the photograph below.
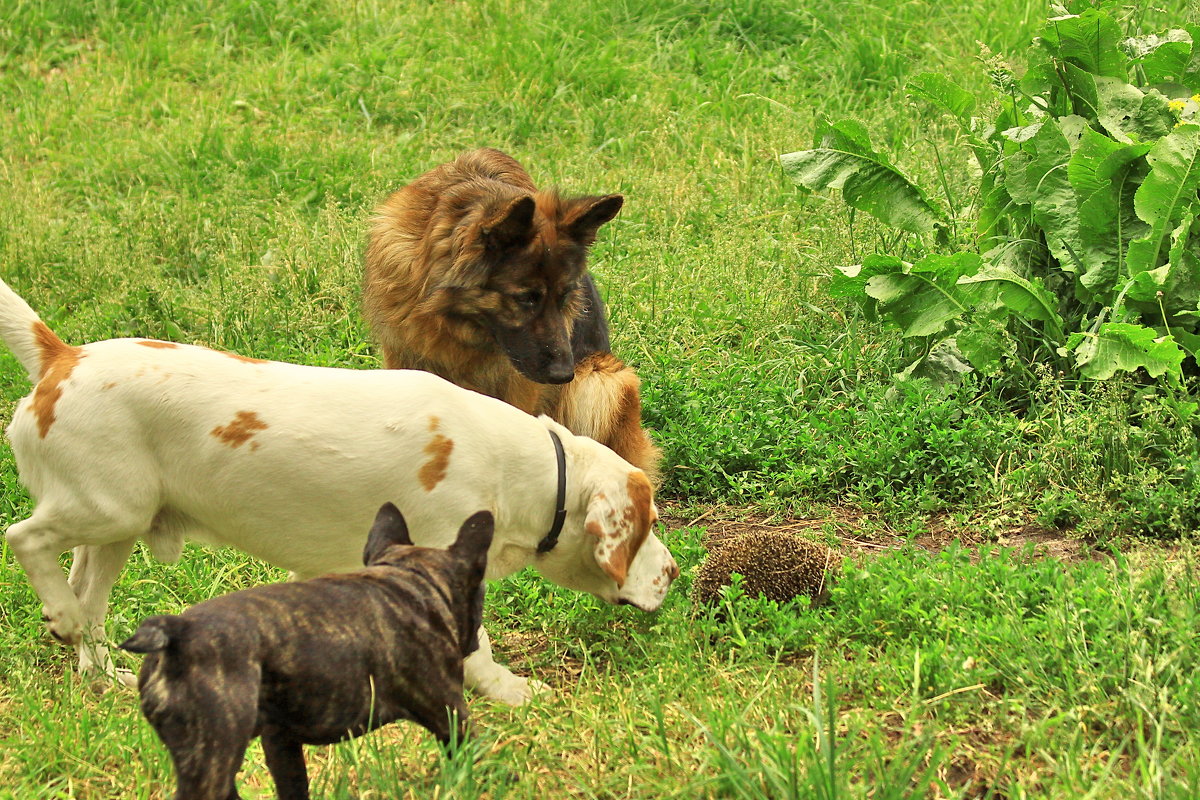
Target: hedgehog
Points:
(775, 565)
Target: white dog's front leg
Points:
(36, 544)
(485, 676)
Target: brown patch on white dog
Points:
(622, 530)
(244, 425)
(244, 359)
(58, 360)
(434, 470)
(156, 344)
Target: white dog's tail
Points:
(25, 333)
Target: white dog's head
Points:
(609, 549)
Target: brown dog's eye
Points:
(530, 298)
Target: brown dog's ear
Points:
(621, 525)
(511, 225)
(389, 529)
(587, 214)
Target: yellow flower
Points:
(1196, 99)
(1176, 105)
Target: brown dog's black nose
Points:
(560, 373)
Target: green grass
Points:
(938, 675)
(202, 171)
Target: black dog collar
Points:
(560, 499)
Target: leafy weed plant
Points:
(1084, 253)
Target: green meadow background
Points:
(203, 172)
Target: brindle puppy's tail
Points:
(154, 634)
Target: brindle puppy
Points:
(316, 662)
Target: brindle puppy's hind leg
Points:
(285, 760)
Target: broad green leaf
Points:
(1121, 346)
(844, 160)
(852, 281)
(923, 298)
(1131, 115)
(1189, 342)
(1163, 58)
(994, 203)
(1105, 174)
(1081, 88)
(1191, 72)
(1183, 285)
(986, 345)
(997, 287)
(943, 93)
(1173, 57)
(1177, 279)
(1022, 133)
(942, 364)
(1167, 195)
(1141, 46)
(850, 134)
(1040, 80)
(1090, 41)
(1145, 287)
(1038, 176)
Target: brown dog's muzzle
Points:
(539, 361)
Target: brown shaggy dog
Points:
(475, 275)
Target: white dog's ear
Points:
(621, 524)
(389, 529)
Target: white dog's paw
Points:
(65, 626)
(100, 682)
(97, 669)
(511, 689)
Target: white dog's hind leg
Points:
(485, 676)
(94, 570)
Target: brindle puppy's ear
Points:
(474, 622)
(389, 529)
(474, 539)
(587, 214)
(511, 224)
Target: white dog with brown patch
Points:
(133, 439)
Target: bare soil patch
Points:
(854, 530)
